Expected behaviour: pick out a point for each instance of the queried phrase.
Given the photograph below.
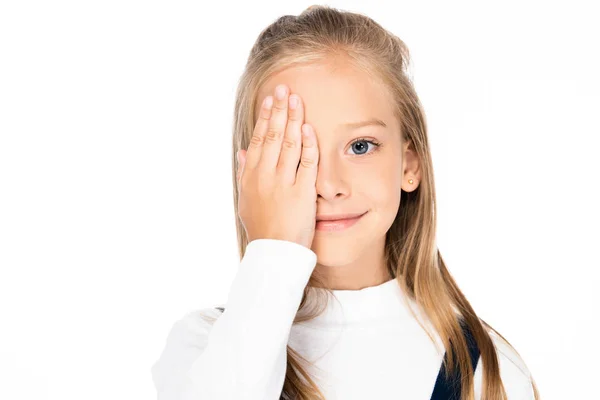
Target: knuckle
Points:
(307, 162)
(256, 140)
(280, 106)
(264, 115)
(309, 144)
(290, 143)
(295, 117)
(273, 135)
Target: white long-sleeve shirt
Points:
(366, 345)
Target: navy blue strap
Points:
(449, 389)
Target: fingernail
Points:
(293, 102)
(280, 92)
(306, 130)
(268, 102)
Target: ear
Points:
(411, 167)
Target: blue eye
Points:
(362, 148)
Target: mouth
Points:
(337, 224)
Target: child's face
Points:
(351, 177)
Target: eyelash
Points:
(373, 142)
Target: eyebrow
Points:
(360, 124)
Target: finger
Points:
(272, 144)
(309, 160)
(255, 147)
(291, 148)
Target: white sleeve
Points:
(242, 355)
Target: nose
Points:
(331, 181)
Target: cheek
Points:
(382, 187)
(384, 176)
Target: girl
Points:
(341, 292)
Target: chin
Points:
(329, 254)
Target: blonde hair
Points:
(412, 257)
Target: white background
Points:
(116, 211)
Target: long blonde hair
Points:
(412, 256)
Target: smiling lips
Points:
(335, 217)
(326, 223)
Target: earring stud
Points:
(410, 181)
